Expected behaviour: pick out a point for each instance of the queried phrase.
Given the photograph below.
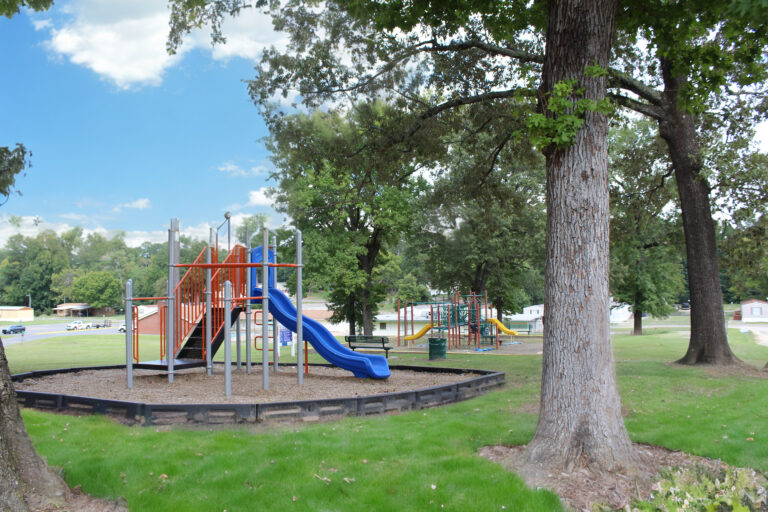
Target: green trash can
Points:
(437, 348)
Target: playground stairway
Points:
(193, 347)
(190, 354)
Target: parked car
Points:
(78, 325)
(14, 329)
(121, 328)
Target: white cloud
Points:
(28, 228)
(31, 226)
(79, 217)
(136, 238)
(127, 48)
(231, 168)
(260, 197)
(124, 40)
(139, 204)
(247, 35)
(199, 232)
(41, 24)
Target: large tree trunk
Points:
(637, 316)
(350, 307)
(580, 423)
(367, 309)
(366, 263)
(23, 474)
(637, 329)
(709, 342)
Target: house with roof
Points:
(16, 314)
(81, 309)
(754, 310)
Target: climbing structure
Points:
(204, 302)
(463, 320)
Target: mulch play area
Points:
(193, 386)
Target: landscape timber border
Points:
(271, 412)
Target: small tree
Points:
(99, 289)
(646, 270)
(349, 196)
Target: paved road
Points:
(760, 330)
(39, 332)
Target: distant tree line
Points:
(51, 268)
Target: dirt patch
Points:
(739, 369)
(195, 387)
(582, 489)
(75, 500)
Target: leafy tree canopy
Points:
(9, 8)
(99, 289)
(350, 196)
(12, 163)
(646, 259)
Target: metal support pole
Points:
(299, 319)
(398, 322)
(208, 308)
(265, 311)
(227, 338)
(169, 359)
(129, 334)
(249, 287)
(275, 328)
(238, 343)
(170, 337)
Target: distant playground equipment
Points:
(460, 320)
(200, 308)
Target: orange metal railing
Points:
(189, 302)
(189, 298)
(135, 331)
(163, 327)
(189, 294)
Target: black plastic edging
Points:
(301, 410)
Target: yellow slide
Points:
(501, 327)
(419, 334)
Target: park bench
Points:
(369, 342)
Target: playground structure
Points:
(462, 320)
(201, 306)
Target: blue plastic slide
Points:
(361, 365)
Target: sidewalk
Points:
(760, 331)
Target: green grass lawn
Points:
(421, 460)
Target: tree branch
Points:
(468, 100)
(619, 80)
(651, 111)
(492, 49)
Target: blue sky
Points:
(123, 136)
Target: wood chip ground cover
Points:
(195, 387)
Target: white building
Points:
(754, 310)
(16, 314)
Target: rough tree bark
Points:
(580, 422)
(637, 329)
(366, 263)
(350, 309)
(637, 315)
(708, 342)
(24, 476)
